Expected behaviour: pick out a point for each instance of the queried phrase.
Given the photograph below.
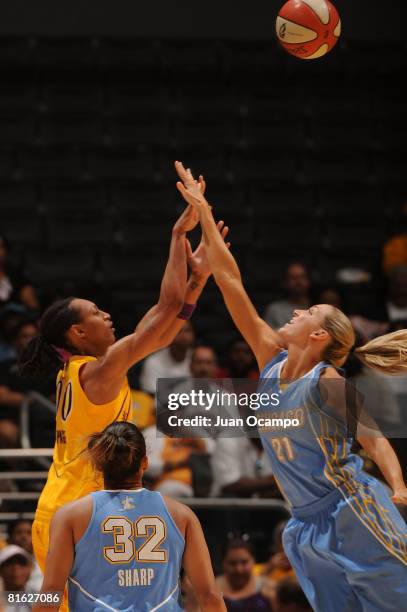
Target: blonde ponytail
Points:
(386, 354)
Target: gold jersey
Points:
(71, 476)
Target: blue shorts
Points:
(349, 550)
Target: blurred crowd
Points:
(246, 584)
(203, 466)
(191, 466)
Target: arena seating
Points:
(89, 129)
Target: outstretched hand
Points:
(198, 260)
(400, 496)
(191, 190)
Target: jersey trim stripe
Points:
(166, 599)
(99, 601)
(350, 484)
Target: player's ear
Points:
(319, 335)
(144, 463)
(76, 331)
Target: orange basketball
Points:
(308, 29)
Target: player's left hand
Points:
(191, 190)
(400, 496)
(198, 260)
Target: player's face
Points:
(95, 332)
(238, 565)
(303, 323)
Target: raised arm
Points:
(263, 340)
(102, 379)
(200, 272)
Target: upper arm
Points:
(262, 339)
(61, 551)
(196, 560)
(111, 369)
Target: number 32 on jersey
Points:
(125, 532)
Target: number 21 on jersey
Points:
(283, 449)
(152, 528)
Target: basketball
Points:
(308, 29)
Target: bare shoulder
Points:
(73, 509)
(181, 513)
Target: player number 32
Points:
(124, 532)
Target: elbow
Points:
(210, 599)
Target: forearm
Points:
(193, 292)
(174, 282)
(382, 453)
(223, 264)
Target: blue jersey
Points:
(312, 459)
(129, 557)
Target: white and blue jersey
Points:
(346, 540)
(129, 558)
(313, 458)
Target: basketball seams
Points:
(308, 37)
(300, 26)
(317, 15)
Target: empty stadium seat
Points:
(72, 95)
(60, 267)
(137, 270)
(49, 163)
(73, 129)
(17, 128)
(120, 163)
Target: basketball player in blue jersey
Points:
(122, 549)
(346, 540)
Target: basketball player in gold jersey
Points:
(77, 342)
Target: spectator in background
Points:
(12, 387)
(171, 362)
(297, 287)
(393, 309)
(10, 316)
(331, 296)
(173, 460)
(14, 287)
(169, 462)
(278, 566)
(376, 400)
(239, 585)
(290, 597)
(19, 533)
(395, 249)
(239, 361)
(396, 302)
(241, 469)
(15, 570)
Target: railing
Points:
(198, 503)
(29, 399)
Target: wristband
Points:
(186, 312)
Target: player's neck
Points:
(123, 486)
(299, 362)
